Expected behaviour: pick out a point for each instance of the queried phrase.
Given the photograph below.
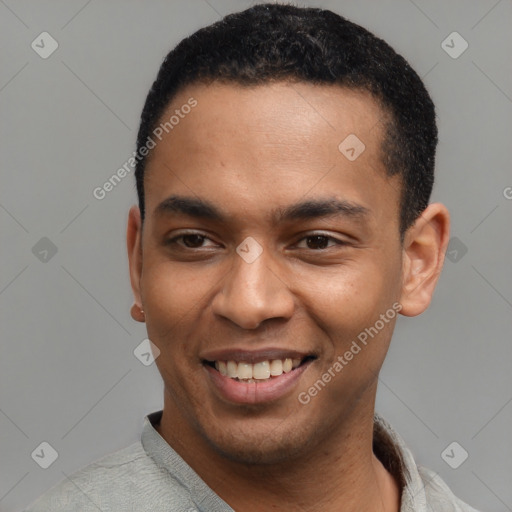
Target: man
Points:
(284, 169)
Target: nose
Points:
(253, 292)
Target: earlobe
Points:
(137, 313)
(423, 257)
(134, 247)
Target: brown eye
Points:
(188, 241)
(192, 241)
(317, 242)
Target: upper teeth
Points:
(259, 371)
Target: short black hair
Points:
(282, 42)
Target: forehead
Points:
(268, 142)
(296, 108)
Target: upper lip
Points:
(253, 356)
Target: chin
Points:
(268, 446)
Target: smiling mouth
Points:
(261, 371)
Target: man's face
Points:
(212, 299)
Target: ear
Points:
(424, 248)
(134, 246)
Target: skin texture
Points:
(250, 150)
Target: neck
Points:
(343, 474)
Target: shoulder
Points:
(127, 479)
(423, 489)
(438, 494)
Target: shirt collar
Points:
(392, 451)
(388, 446)
(168, 459)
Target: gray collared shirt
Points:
(150, 476)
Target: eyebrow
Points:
(305, 210)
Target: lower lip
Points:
(258, 392)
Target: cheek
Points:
(350, 297)
(171, 292)
(348, 308)
(173, 300)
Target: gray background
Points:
(68, 375)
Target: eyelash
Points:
(173, 241)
